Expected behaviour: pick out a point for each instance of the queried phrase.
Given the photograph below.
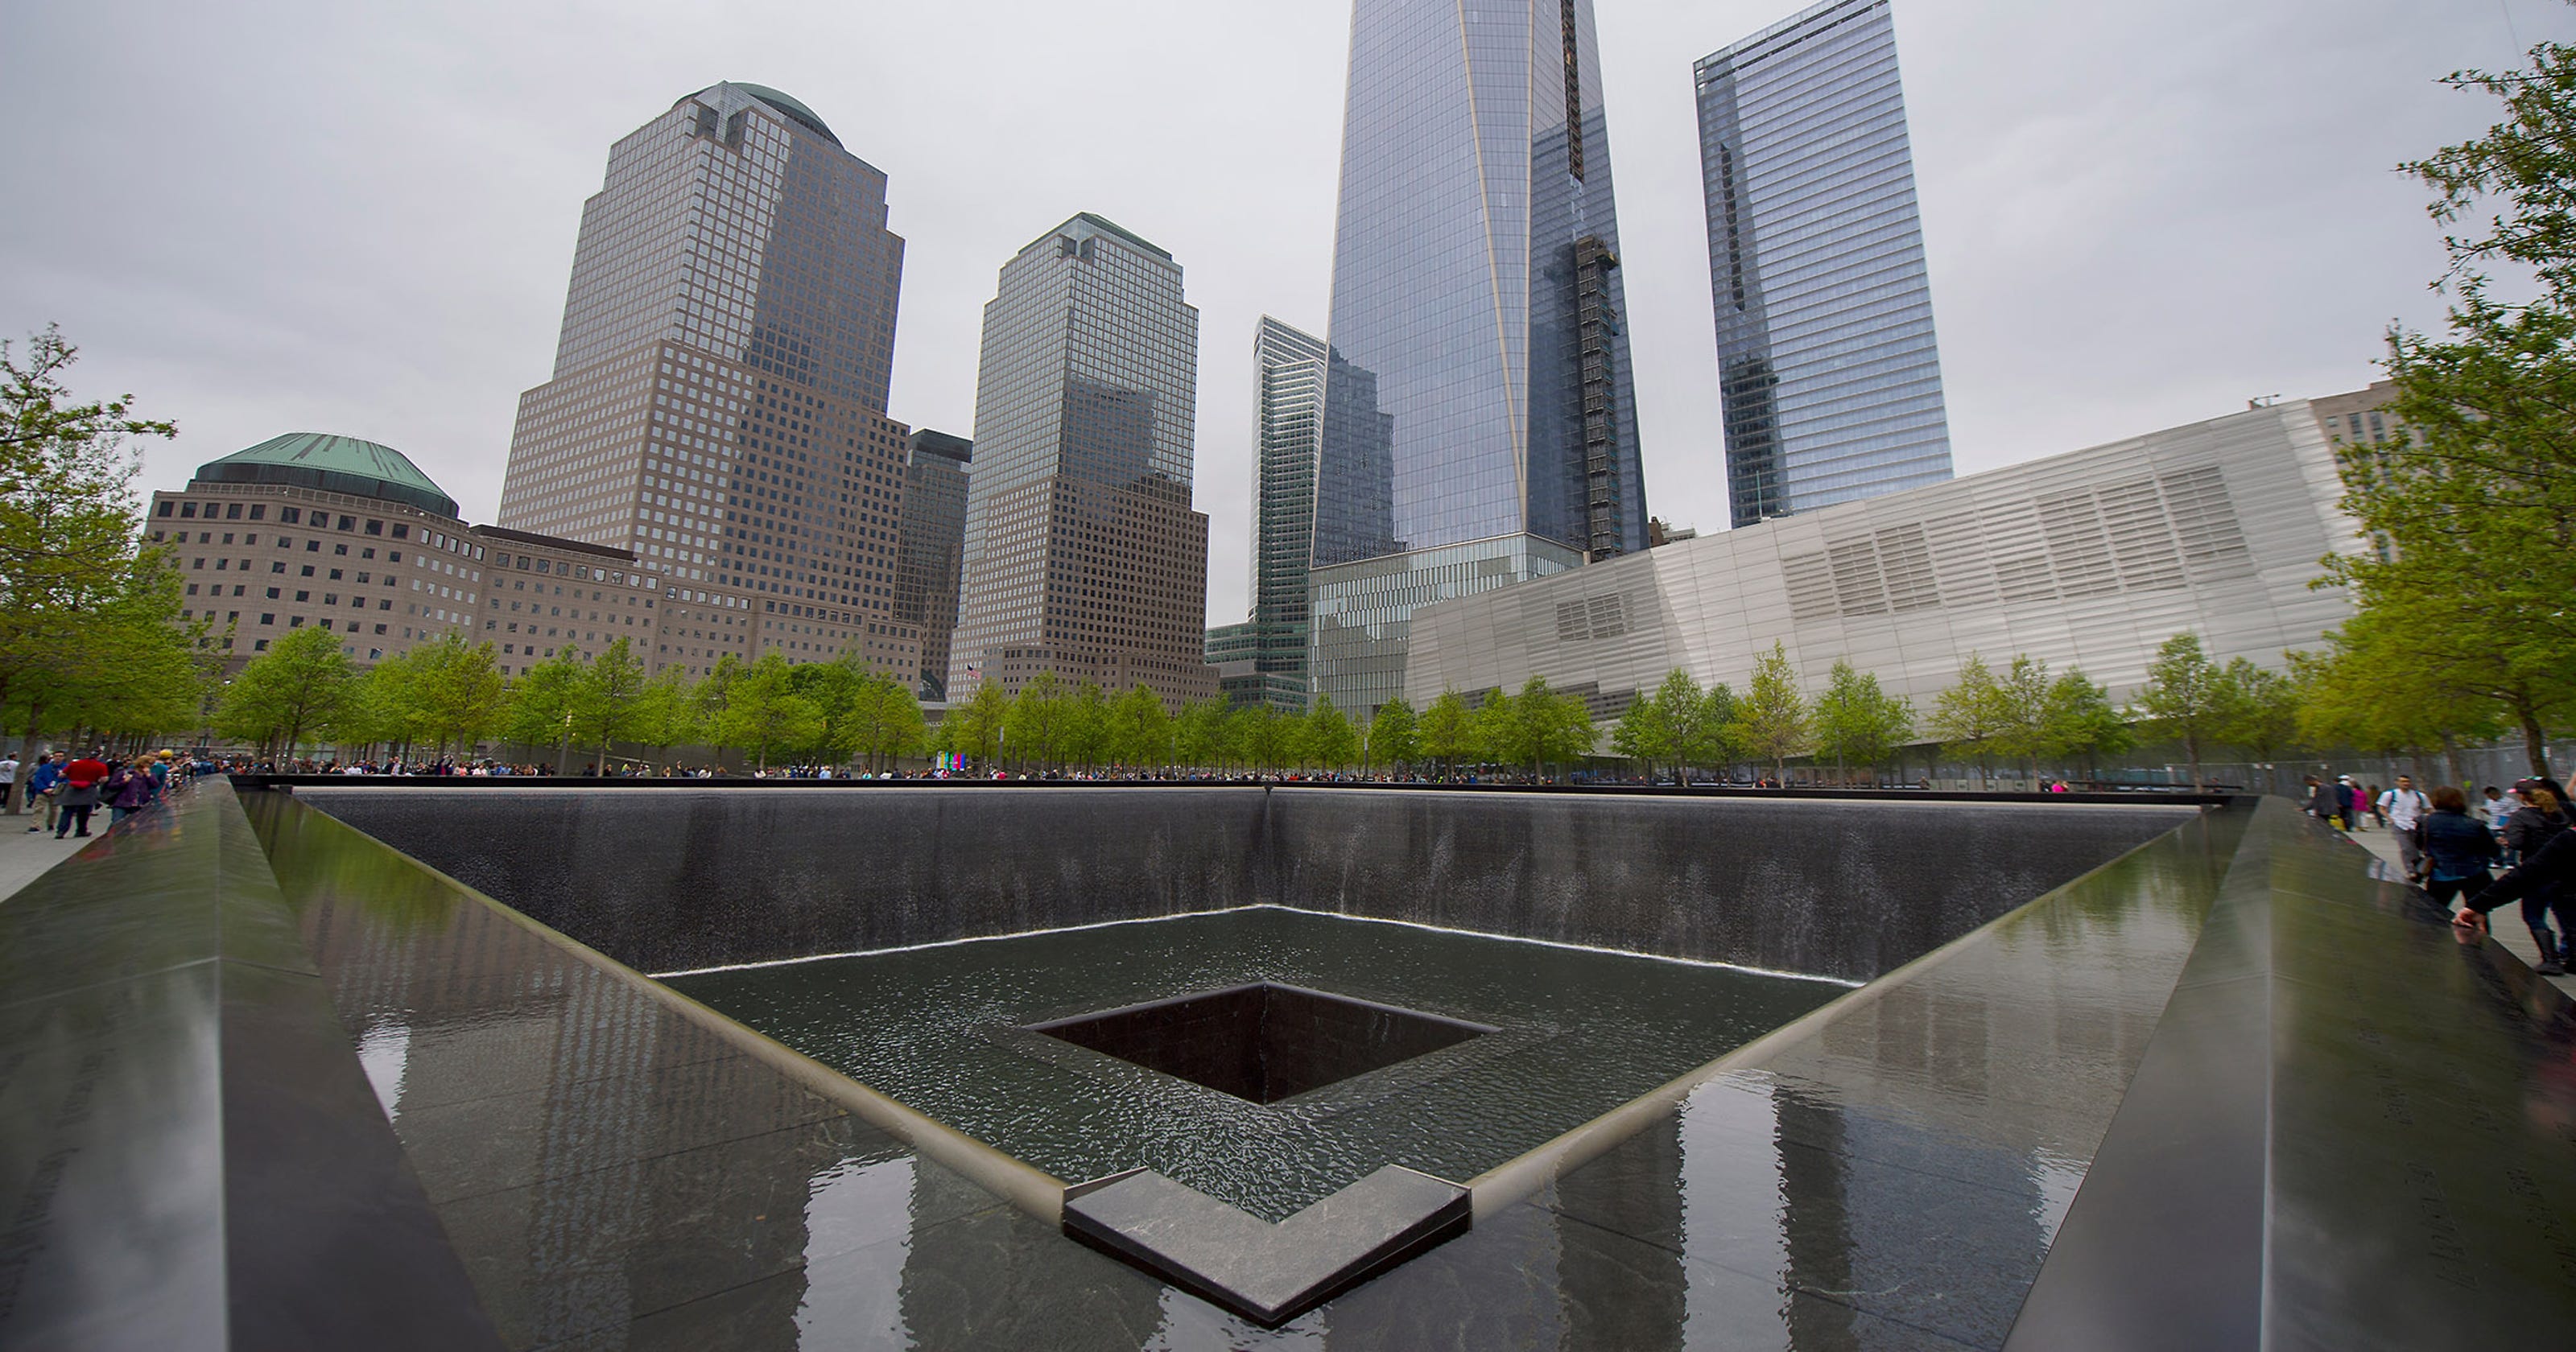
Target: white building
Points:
(2087, 560)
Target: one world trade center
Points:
(1479, 424)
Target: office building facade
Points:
(930, 546)
(718, 400)
(1082, 555)
(2089, 559)
(1479, 420)
(348, 536)
(1263, 661)
(1826, 358)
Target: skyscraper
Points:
(930, 545)
(1826, 359)
(1082, 555)
(1479, 423)
(1288, 424)
(719, 391)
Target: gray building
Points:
(1288, 422)
(1081, 554)
(718, 400)
(1826, 358)
(929, 546)
(2089, 559)
(1479, 423)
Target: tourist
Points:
(79, 795)
(2403, 809)
(2546, 876)
(43, 782)
(2355, 803)
(2456, 848)
(2325, 801)
(130, 790)
(2539, 823)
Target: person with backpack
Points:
(2404, 809)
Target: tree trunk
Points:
(2535, 741)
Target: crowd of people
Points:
(69, 788)
(2452, 848)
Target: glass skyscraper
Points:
(930, 543)
(719, 391)
(1479, 421)
(1082, 556)
(1826, 358)
(1288, 424)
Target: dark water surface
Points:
(941, 1029)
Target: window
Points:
(164, 511)
(258, 511)
(375, 528)
(303, 596)
(272, 593)
(348, 523)
(277, 568)
(232, 511)
(308, 570)
(340, 549)
(259, 645)
(401, 531)
(188, 509)
(335, 574)
(291, 515)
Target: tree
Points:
(1644, 732)
(880, 721)
(455, 693)
(1330, 741)
(667, 715)
(1536, 727)
(2082, 722)
(1034, 730)
(974, 729)
(1199, 734)
(1265, 739)
(1857, 722)
(78, 593)
(542, 704)
(1969, 714)
(1087, 734)
(1394, 735)
(1140, 730)
(708, 699)
(1710, 737)
(2187, 697)
(605, 703)
(296, 687)
(2472, 509)
(1771, 720)
(1448, 732)
(763, 711)
(2022, 733)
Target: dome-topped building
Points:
(334, 463)
(311, 529)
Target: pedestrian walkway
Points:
(2505, 926)
(25, 855)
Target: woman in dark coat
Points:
(2545, 883)
(2458, 848)
(2325, 801)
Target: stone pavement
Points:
(2504, 926)
(25, 855)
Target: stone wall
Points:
(669, 879)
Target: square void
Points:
(1263, 1042)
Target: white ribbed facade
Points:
(2089, 559)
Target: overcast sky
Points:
(265, 216)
